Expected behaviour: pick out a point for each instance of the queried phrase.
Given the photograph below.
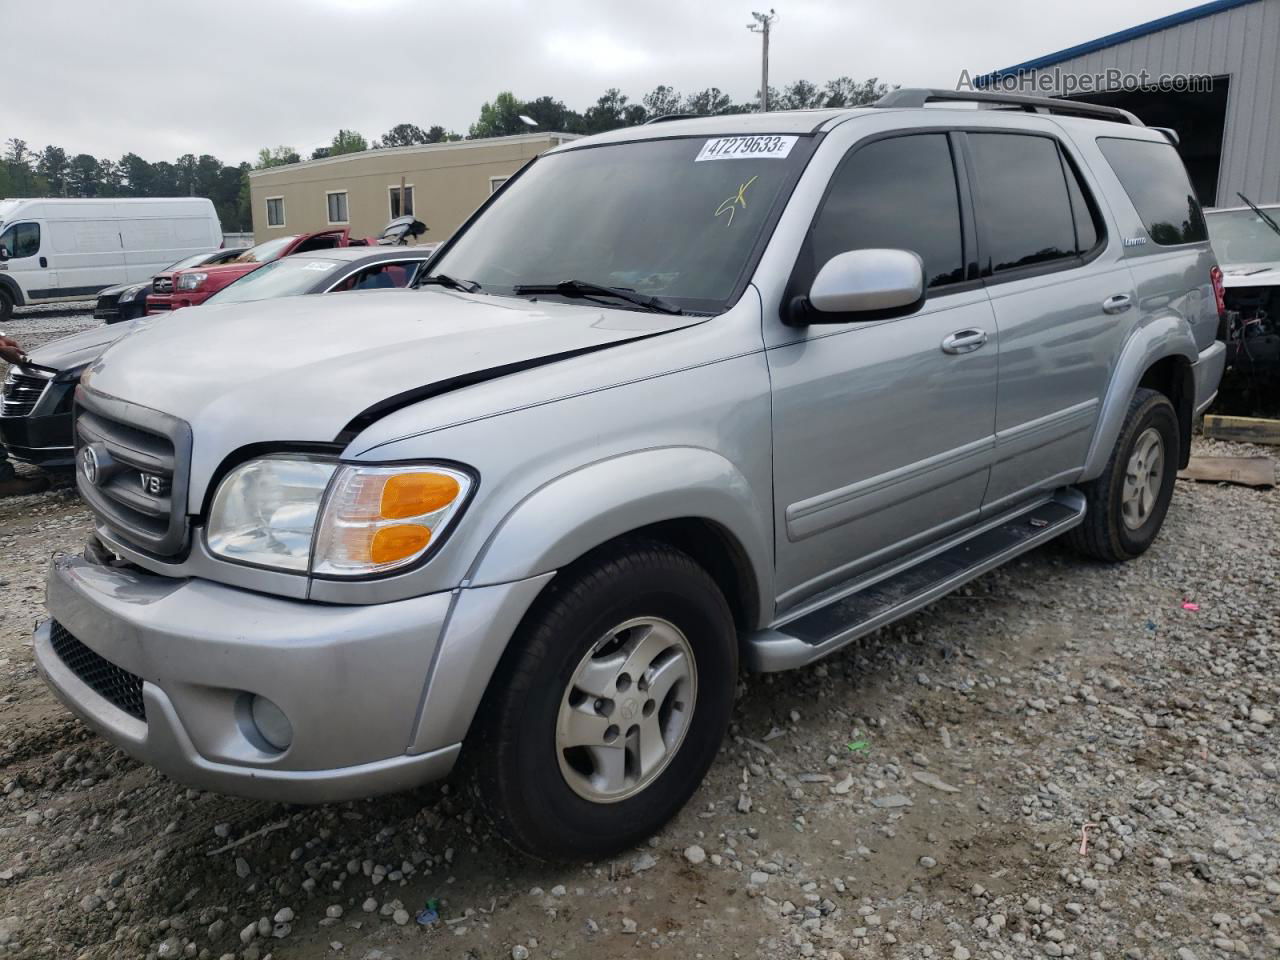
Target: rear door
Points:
(1062, 298)
(881, 436)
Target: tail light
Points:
(1219, 290)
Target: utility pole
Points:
(762, 25)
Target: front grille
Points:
(21, 391)
(158, 306)
(138, 482)
(162, 285)
(114, 684)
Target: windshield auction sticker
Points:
(746, 148)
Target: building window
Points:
(275, 211)
(337, 201)
(495, 183)
(399, 209)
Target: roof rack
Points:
(918, 97)
(671, 116)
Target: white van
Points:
(55, 249)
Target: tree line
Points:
(26, 171)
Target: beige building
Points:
(443, 184)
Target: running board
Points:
(816, 633)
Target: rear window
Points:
(1153, 176)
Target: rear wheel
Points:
(610, 705)
(1128, 502)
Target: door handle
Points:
(44, 262)
(1117, 304)
(964, 341)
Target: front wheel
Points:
(610, 706)
(6, 305)
(1127, 504)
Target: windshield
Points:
(186, 262)
(1241, 236)
(282, 278)
(266, 251)
(678, 219)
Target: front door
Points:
(882, 429)
(28, 263)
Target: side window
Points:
(898, 193)
(1024, 209)
(1084, 212)
(1153, 176)
(275, 211)
(21, 240)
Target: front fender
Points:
(1164, 336)
(565, 518)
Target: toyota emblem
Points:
(89, 464)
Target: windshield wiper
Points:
(444, 280)
(1262, 214)
(584, 288)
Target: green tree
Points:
(84, 176)
(276, 157)
(52, 165)
(139, 177)
(403, 135)
(551, 114)
(710, 102)
(112, 178)
(17, 160)
(501, 118)
(663, 101)
(847, 92)
(347, 141)
(612, 111)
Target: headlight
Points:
(275, 512)
(191, 281)
(130, 294)
(265, 512)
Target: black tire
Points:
(513, 757)
(6, 305)
(1104, 534)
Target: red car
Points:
(188, 288)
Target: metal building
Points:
(1229, 127)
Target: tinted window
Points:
(1084, 213)
(1023, 204)
(1153, 176)
(898, 193)
(22, 239)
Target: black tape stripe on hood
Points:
(399, 401)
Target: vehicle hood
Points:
(1261, 274)
(72, 353)
(120, 288)
(319, 369)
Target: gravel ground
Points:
(922, 795)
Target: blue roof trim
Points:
(1111, 39)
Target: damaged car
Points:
(1247, 241)
(128, 301)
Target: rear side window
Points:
(898, 193)
(1024, 205)
(1153, 176)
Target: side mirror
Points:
(874, 283)
(4, 253)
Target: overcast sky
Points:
(226, 77)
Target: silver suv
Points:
(705, 392)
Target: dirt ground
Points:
(922, 794)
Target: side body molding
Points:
(563, 519)
(1164, 336)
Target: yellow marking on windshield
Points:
(739, 199)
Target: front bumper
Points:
(43, 437)
(351, 680)
(165, 302)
